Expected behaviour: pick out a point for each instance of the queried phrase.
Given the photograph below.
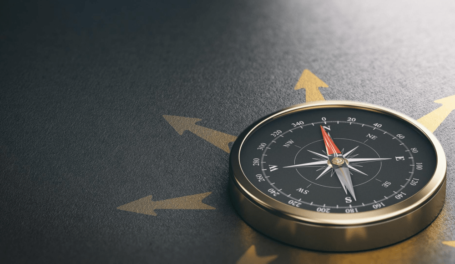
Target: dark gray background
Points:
(84, 85)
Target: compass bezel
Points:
(281, 210)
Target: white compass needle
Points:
(324, 172)
(307, 164)
(349, 152)
(320, 155)
(366, 159)
(345, 179)
(354, 169)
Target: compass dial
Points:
(336, 159)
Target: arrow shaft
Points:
(147, 206)
(436, 117)
(191, 202)
(219, 139)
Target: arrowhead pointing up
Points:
(180, 124)
(447, 102)
(311, 84)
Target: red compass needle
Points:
(330, 147)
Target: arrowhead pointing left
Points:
(142, 206)
(180, 124)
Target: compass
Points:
(338, 176)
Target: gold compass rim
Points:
(280, 209)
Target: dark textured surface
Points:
(84, 85)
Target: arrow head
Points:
(142, 206)
(180, 124)
(447, 102)
(309, 81)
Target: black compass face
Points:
(338, 160)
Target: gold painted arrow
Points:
(181, 124)
(311, 83)
(251, 257)
(147, 206)
(449, 243)
(435, 118)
